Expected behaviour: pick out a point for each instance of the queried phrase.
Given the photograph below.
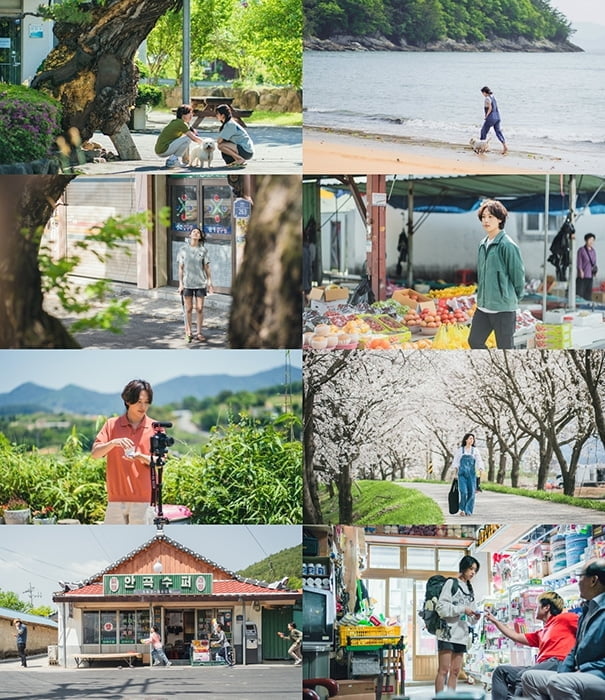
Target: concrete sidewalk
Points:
(156, 321)
(493, 507)
(270, 681)
(277, 150)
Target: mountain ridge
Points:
(30, 397)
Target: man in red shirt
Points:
(125, 441)
(554, 641)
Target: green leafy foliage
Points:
(11, 600)
(262, 40)
(287, 562)
(70, 11)
(113, 237)
(422, 21)
(148, 95)
(29, 124)
(245, 473)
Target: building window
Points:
(90, 627)
(109, 628)
(384, 557)
(533, 224)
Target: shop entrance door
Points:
(10, 50)
(424, 646)
(179, 630)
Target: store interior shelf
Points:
(504, 538)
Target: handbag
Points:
(454, 498)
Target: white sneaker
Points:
(169, 663)
(172, 162)
(298, 662)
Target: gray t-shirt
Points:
(194, 260)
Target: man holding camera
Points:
(125, 441)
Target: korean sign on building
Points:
(137, 584)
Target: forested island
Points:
(436, 25)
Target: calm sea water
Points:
(544, 99)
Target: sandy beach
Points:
(326, 151)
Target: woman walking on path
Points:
(467, 462)
(587, 267)
(492, 118)
(456, 609)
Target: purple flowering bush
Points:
(29, 124)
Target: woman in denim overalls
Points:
(467, 462)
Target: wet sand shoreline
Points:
(346, 151)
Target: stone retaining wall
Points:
(263, 99)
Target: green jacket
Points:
(500, 274)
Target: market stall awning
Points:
(463, 193)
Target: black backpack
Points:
(431, 618)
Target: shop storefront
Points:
(25, 40)
(219, 205)
(377, 580)
(165, 584)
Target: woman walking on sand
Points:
(492, 118)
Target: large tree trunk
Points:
(91, 71)
(266, 311)
(26, 203)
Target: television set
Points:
(319, 613)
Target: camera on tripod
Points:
(159, 441)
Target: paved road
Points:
(156, 322)
(277, 150)
(42, 682)
(491, 507)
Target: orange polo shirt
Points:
(556, 638)
(127, 479)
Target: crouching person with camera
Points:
(125, 441)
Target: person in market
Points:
(587, 267)
(21, 638)
(500, 280)
(223, 644)
(194, 280)
(157, 648)
(295, 636)
(553, 641)
(581, 675)
(176, 137)
(125, 441)
(466, 465)
(456, 608)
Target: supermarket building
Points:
(166, 584)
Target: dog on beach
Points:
(201, 153)
(480, 145)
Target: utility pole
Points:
(30, 591)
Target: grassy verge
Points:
(552, 496)
(275, 118)
(384, 503)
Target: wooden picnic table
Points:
(128, 656)
(205, 106)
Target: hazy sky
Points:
(43, 555)
(109, 370)
(592, 11)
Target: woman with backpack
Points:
(467, 465)
(456, 609)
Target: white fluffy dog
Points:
(201, 153)
(480, 145)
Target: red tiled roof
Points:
(228, 587)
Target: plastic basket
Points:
(365, 664)
(359, 635)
